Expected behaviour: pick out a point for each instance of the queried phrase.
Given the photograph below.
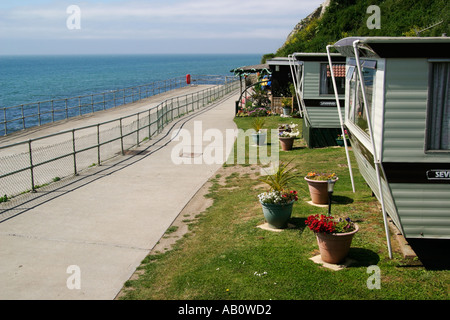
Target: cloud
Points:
(147, 20)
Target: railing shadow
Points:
(31, 200)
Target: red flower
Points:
(321, 224)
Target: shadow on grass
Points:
(363, 257)
(342, 200)
(298, 223)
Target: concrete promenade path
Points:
(82, 238)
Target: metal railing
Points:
(28, 115)
(30, 164)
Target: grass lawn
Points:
(225, 256)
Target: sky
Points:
(148, 27)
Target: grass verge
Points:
(225, 256)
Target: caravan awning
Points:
(243, 71)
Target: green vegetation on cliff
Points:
(344, 18)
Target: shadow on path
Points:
(29, 201)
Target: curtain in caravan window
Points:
(439, 107)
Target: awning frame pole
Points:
(338, 104)
(377, 162)
(299, 87)
(294, 72)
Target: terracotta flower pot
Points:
(334, 247)
(318, 189)
(286, 143)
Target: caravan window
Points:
(439, 107)
(326, 82)
(357, 112)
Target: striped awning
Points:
(246, 70)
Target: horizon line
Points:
(122, 54)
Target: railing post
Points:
(39, 113)
(137, 131)
(6, 124)
(53, 113)
(157, 119)
(150, 123)
(67, 111)
(166, 114)
(75, 172)
(98, 145)
(121, 136)
(23, 117)
(31, 166)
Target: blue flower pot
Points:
(277, 215)
(259, 138)
(340, 142)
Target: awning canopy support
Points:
(338, 104)
(296, 77)
(377, 161)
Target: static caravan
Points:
(281, 76)
(397, 111)
(312, 80)
(280, 82)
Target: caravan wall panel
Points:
(325, 117)
(423, 206)
(424, 209)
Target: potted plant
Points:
(286, 103)
(318, 186)
(287, 139)
(334, 236)
(340, 139)
(277, 203)
(287, 134)
(284, 127)
(259, 137)
(287, 127)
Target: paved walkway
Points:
(96, 228)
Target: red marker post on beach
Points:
(188, 79)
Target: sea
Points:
(28, 79)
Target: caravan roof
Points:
(396, 47)
(316, 56)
